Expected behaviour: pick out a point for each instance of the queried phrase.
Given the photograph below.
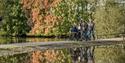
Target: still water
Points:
(94, 54)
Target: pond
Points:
(114, 53)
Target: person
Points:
(79, 31)
(90, 34)
(74, 31)
(82, 28)
(91, 28)
(85, 30)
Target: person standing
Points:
(90, 34)
(91, 29)
(83, 29)
(81, 24)
(74, 31)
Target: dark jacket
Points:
(74, 29)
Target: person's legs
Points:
(93, 34)
(85, 35)
(88, 35)
(75, 36)
(71, 36)
(81, 38)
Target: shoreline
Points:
(38, 36)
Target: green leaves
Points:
(15, 23)
(69, 11)
(109, 54)
(108, 18)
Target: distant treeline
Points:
(55, 17)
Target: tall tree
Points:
(109, 17)
(15, 22)
(39, 16)
(69, 12)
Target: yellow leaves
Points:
(27, 3)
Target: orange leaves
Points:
(55, 2)
(27, 3)
(39, 13)
(50, 20)
(50, 55)
(46, 3)
(46, 56)
(35, 14)
(36, 57)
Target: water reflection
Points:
(113, 54)
(6, 40)
(107, 54)
(82, 55)
(93, 54)
(49, 56)
(20, 58)
(42, 39)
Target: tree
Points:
(69, 12)
(15, 22)
(109, 18)
(39, 16)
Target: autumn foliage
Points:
(47, 56)
(39, 16)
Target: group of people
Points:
(83, 30)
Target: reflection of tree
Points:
(19, 58)
(42, 39)
(49, 56)
(109, 55)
